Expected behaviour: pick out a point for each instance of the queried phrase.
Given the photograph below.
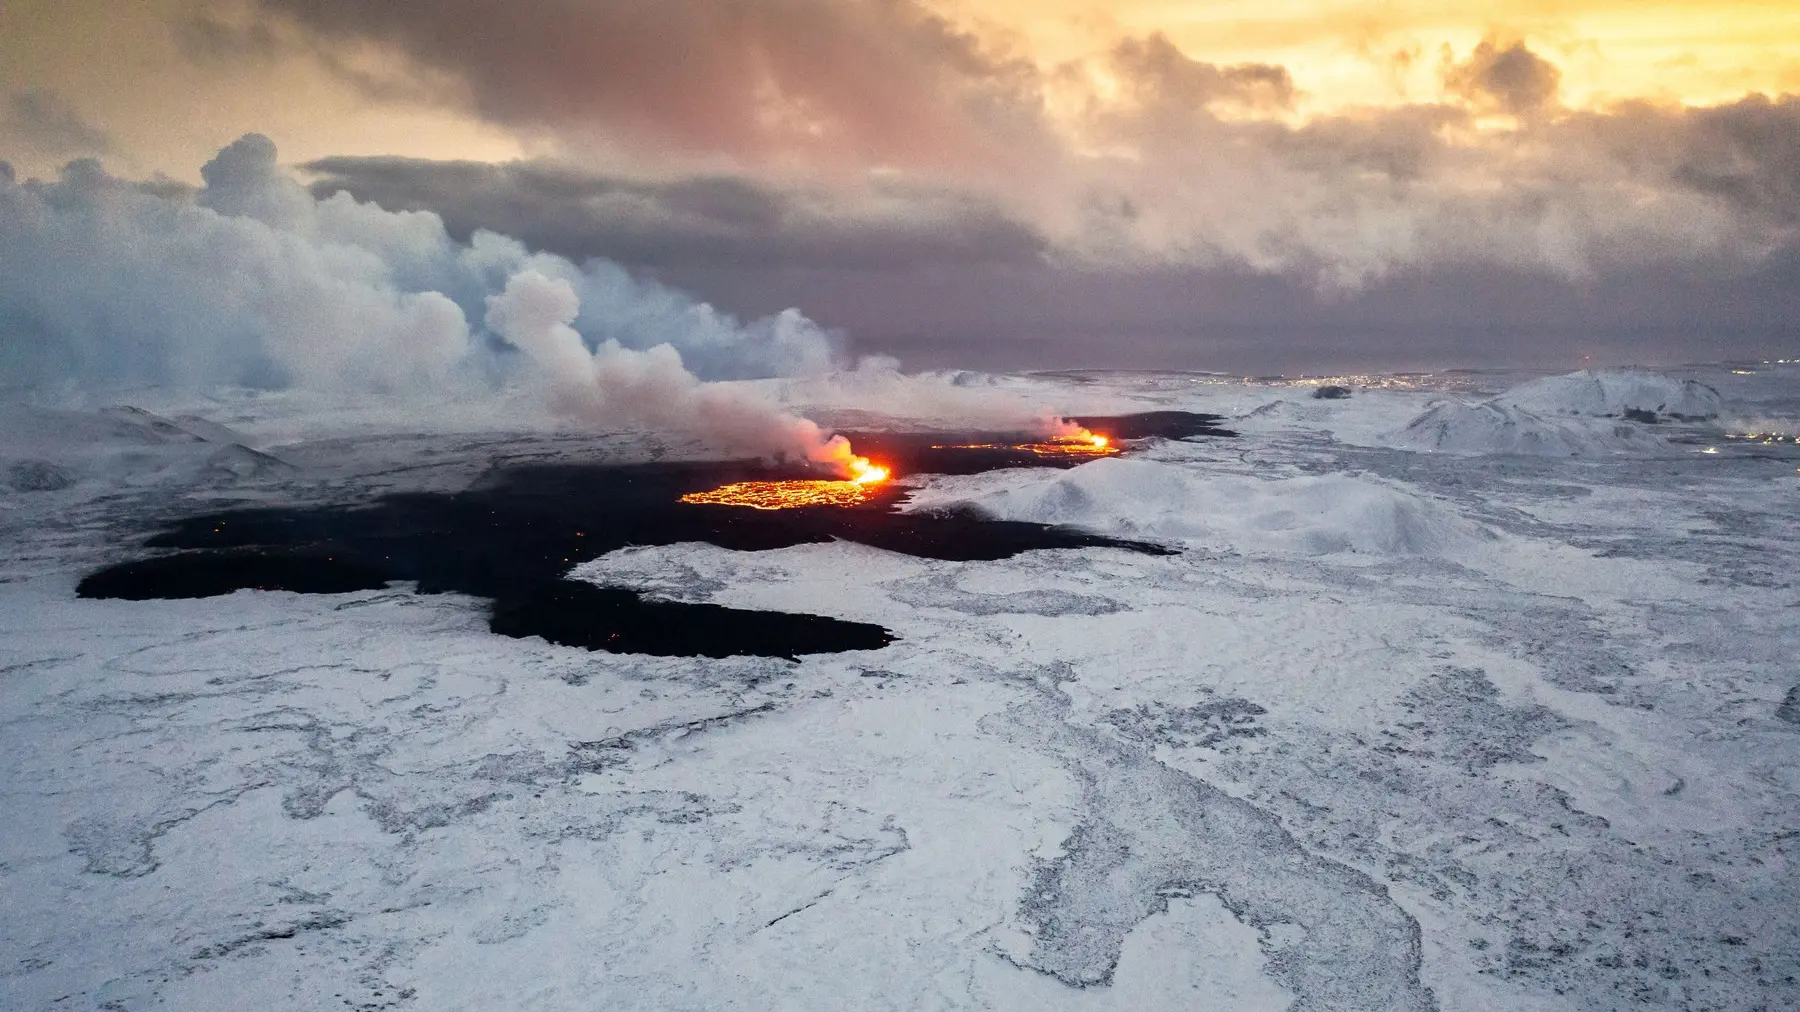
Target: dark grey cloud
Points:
(1747, 152)
(1004, 317)
(42, 121)
(860, 81)
(206, 36)
(1511, 77)
(709, 220)
(1402, 144)
(1158, 73)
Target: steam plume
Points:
(250, 281)
(615, 384)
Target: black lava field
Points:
(514, 535)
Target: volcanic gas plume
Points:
(615, 384)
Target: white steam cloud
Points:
(615, 384)
(250, 281)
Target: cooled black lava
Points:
(513, 535)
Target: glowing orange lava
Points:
(1080, 443)
(864, 473)
(781, 495)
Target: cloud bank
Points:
(828, 82)
(711, 219)
(1138, 204)
(818, 129)
(905, 171)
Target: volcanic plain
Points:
(1462, 691)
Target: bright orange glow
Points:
(864, 473)
(1087, 444)
(1064, 432)
(781, 495)
(1072, 442)
(856, 488)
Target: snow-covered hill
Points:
(1616, 393)
(1594, 413)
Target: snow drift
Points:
(1320, 515)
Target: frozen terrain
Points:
(1452, 697)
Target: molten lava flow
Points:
(781, 495)
(1072, 441)
(1085, 445)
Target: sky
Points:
(1279, 185)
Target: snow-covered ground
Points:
(1452, 699)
